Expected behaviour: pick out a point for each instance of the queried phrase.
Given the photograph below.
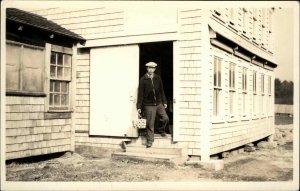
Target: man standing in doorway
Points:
(152, 100)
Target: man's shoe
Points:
(148, 145)
(163, 134)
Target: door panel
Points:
(113, 92)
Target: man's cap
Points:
(151, 64)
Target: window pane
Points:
(233, 78)
(64, 87)
(51, 99)
(67, 73)
(59, 59)
(230, 76)
(57, 87)
(59, 72)
(53, 58)
(219, 74)
(215, 72)
(231, 94)
(52, 86)
(57, 99)
(64, 99)
(67, 60)
(215, 103)
(52, 71)
(12, 67)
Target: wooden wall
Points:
(227, 132)
(28, 133)
(190, 26)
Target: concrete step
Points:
(149, 157)
(154, 150)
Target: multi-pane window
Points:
(254, 92)
(217, 86)
(60, 78)
(244, 91)
(270, 94)
(262, 90)
(254, 24)
(24, 68)
(231, 88)
(245, 20)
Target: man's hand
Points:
(139, 111)
(165, 105)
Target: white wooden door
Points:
(113, 90)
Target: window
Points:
(269, 106)
(232, 89)
(217, 86)
(60, 78)
(245, 20)
(262, 90)
(254, 24)
(255, 93)
(244, 92)
(24, 68)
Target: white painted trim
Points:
(206, 93)
(72, 96)
(176, 130)
(132, 39)
(47, 75)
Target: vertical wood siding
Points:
(28, 133)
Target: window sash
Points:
(60, 66)
(60, 79)
(262, 84)
(244, 80)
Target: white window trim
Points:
(263, 95)
(64, 50)
(232, 117)
(245, 115)
(221, 117)
(255, 95)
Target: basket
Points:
(140, 123)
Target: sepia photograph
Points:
(149, 95)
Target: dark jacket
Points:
(150, 93)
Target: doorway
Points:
(162, 54)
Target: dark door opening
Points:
(162, 54)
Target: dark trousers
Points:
(150, 113)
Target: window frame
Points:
(262, 95)
(254, 94)
(66, 51)
(232, 90)
(219, 118)
(20, 91)
(244, 93)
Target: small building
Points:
(217, 67)
(40, 56)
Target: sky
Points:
(284, 43)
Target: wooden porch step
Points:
(159, 142)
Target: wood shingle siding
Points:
(89, 23)
(28, 133)
(190, 25)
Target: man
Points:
(152, 100)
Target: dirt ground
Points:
(264, 164)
